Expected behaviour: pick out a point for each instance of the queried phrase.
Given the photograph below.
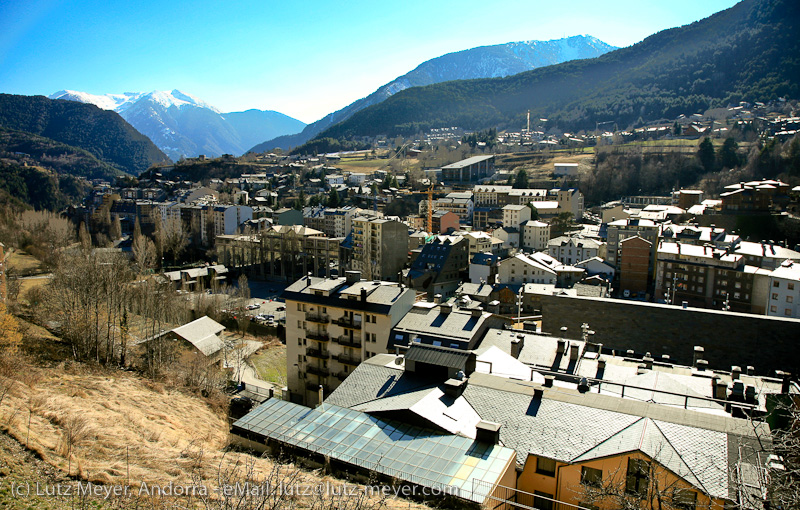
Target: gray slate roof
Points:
(202, 333)
(565, 425)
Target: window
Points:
(773, 308)
(637, 478)
(591, 476)
(776, 284)
(775, 296)
(790, 285)
(299, 308)
(789, 299)
(545, 467)
(299, 358)
(787, 312)
(685, 499)
(540, 502)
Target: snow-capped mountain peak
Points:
(178, 99)
(106, 101)
(121, 102)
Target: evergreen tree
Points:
(727, 156)
(521, 181)
(706, 155)
(333, 199)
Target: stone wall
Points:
(766, 343)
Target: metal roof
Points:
(466, 468)
(440, 356)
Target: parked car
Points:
(255, 306)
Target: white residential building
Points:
(784, 291)
(515, 215)
(571, 250)
(535, 235)
(522, 269)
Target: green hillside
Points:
(748, 52)
(102, 133)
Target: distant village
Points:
(506, 343)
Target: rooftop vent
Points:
(352, 277)
(445, 308)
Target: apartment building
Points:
(380, 247)
(630, 227)
(571, 250)
(784, 291)
(705, 277)
(515, 215)
(535, 235)
(332, 324)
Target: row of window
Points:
(786, 311)
(777, 285)
(789, 299)
(637, 482)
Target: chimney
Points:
(454, 387)
(477, 312)
(445, 308)
(487, 432)
(601, 363)
(561, 346)
(736, 371)
(573, 352)
(363, 295)
(702, 364)
(698, 354)
(548, 381)
(516, 345)
(352, 277)
(437, 298)
(320, 395)
(648, 362)
(750, 370)
(719, 387)
(786, 379)
(750, 394)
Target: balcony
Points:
(319, 336)
(342, 375)
(346, 322)
(317, 353)
(319, 371)
(348, 342)
(320, 318)
(347, 360)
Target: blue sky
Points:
(299, 57)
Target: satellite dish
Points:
(398, 360)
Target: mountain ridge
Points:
(183, 125)
(746, 52)
(104, 134)
(493, 60)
